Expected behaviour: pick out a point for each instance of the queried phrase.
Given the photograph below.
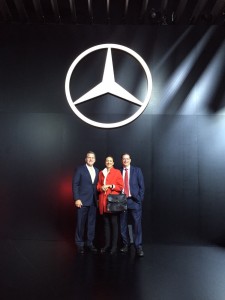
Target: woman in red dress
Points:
(110, 181)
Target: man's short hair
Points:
(90, 152)
(125, 154)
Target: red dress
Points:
(114, 177)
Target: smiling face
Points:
(90, 159)
(126, 160)
(109, 162)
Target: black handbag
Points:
(116, 203)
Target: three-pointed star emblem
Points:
(109, 85)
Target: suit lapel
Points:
(87, 172)
(131, 171)
(96, 175)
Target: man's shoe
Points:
(104, 249)
(113, 251)
(124, 249)
(80, 250)
(139, 252)
(92, 249)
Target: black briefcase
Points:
(116, 203)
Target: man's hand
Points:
(78, 203)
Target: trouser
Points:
(135, 211)
(111, 230)
(86, 217)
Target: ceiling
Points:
(147, 12)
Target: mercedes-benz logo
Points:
(108, 85)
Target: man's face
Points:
(90, 159)
(126, 160)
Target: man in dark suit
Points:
(85, 199)
(134, 189)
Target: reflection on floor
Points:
(52, 270)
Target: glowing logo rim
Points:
(120, 123)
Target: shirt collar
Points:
(89, 167)
(128, 168)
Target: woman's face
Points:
(109, 162)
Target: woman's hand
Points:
(105, 187)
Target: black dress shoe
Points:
(139, 252)
(80, 250)
(124, 249)
(113, 251)
(104, 249)
(92, 249)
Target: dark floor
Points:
(52, 270)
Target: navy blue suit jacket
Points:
(83, 188)
(136, 182)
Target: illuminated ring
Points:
(117, 124)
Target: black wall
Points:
(178, 141)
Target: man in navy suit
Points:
(85, 199)
(134, 189)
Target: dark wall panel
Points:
(211, 177)
(177, 141)
(175, 179)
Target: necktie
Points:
(126, 183)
